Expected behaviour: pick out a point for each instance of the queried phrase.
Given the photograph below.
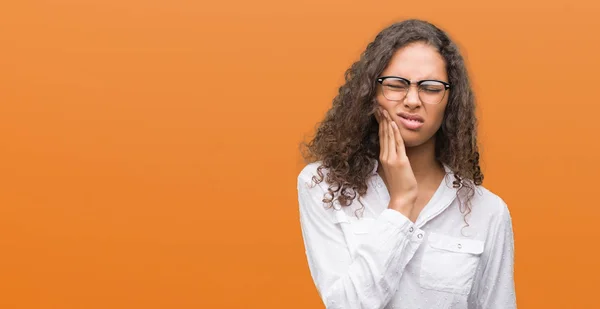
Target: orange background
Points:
(149, 149)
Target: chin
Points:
(414, 138)
(413, 143)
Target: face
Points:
(415, 62)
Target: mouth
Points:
(411, 121)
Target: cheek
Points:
(439, 113)
(383, 102)
(437, 116)
(387, 105)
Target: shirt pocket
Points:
(449, 263)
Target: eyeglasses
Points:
(396, 88)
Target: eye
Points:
(432, 87)
(395, 84)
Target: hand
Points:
(401, 181)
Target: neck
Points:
(423, 162)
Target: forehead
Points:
(417, 61)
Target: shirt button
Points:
(419, 236)
(459, 246)
(411, 229)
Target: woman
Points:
(392, 210)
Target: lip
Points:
(411, 121)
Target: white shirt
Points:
(383, 260)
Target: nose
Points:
(412, 99)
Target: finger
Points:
(378, 114)
(383, 138)
(391, 142)
(389, 136)
(400, 150)
(380, 131)
(387, 115)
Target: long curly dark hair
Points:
(346, 142)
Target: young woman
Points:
(392, 210)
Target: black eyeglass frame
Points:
(418, 83)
